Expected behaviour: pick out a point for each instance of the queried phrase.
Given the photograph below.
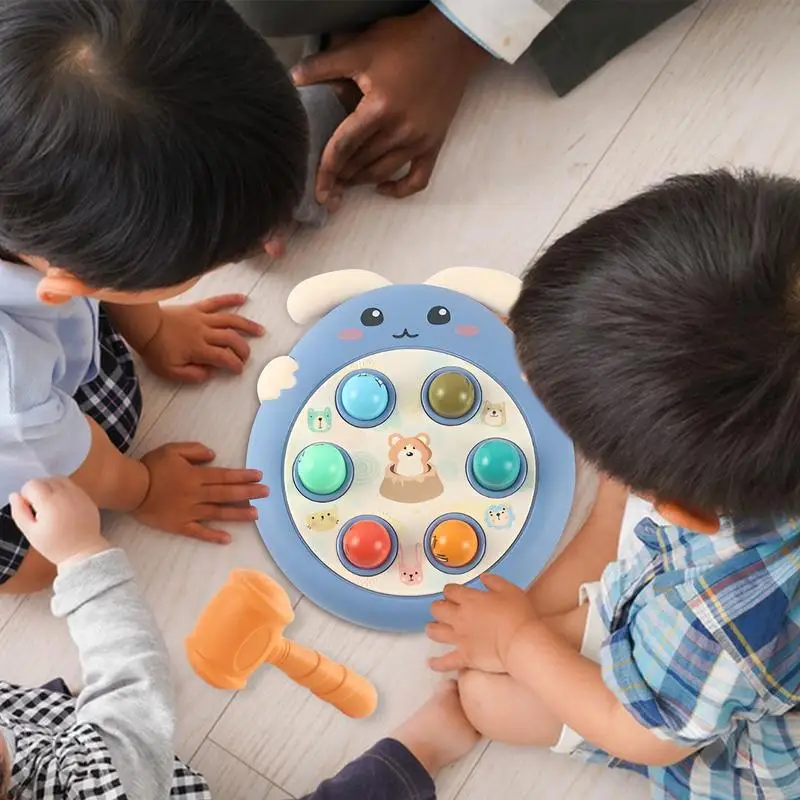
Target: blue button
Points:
(364, 397)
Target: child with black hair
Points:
(664, 336)
(115, 740)
(143, 143)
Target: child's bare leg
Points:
(586, 556)
(35, 574)
(438, 733)
(504, 710)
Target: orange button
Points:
(454, 543)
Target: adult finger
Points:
(222, 357)
(385, 142)
(193, 452)
(356, 129)
(229, 337)
(234, 493)
(418, 178)
(21, 511)
(449, 662)
(219, 303)
(196, 530)
(384, 169)
(439, 632)
(227, 513)
(227, 476)
(329, 65)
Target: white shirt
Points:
(505, 28)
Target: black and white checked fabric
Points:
(113, 400)
(56, 758)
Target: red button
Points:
(367, 544)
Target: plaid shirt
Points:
(704, 650)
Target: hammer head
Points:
(239, 629)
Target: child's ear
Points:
(58, 285)
(693, 520)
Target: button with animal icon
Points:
(367, 545)
(496, 467)
(323, 471)
(455, 543)
(451, 396)
(365, 399)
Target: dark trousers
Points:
(386, 772)
(583, 37)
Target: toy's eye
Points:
(372, 317)
(438, 315)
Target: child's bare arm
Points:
(112, 480)
(171, 488)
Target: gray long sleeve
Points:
(128, 692)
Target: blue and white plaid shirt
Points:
(704, 650)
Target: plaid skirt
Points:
(113, 400)
(58, 758)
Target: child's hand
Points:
(184, 492)
(192, 341)
(480, 625)
(59, 520)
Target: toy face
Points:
(410, 316)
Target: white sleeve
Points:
(505, 28)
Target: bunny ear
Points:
(418, 554)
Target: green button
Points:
(321, 468)
(496, 465)
(451, 395)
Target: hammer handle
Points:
(329, 680)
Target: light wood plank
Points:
(230, 779)
(514, 772)
(725, 99)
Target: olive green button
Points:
(451, 395)
(321, 468)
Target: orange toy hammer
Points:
(242, 628)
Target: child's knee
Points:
(34, 575)
(474, 688)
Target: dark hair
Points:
(142, 142)
(664, 336)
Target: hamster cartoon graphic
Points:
(499, 517)
(410, 456)
(410, 571)
(494, 414)
(319, 420)
(325, 519)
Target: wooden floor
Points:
(712, 87)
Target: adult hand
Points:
(412, 72)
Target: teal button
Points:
(496, 465)
(322, 469)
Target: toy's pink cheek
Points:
(467, 330)
(350, 334)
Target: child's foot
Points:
(438, 733)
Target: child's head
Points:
(664, 337)
(142, 142)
